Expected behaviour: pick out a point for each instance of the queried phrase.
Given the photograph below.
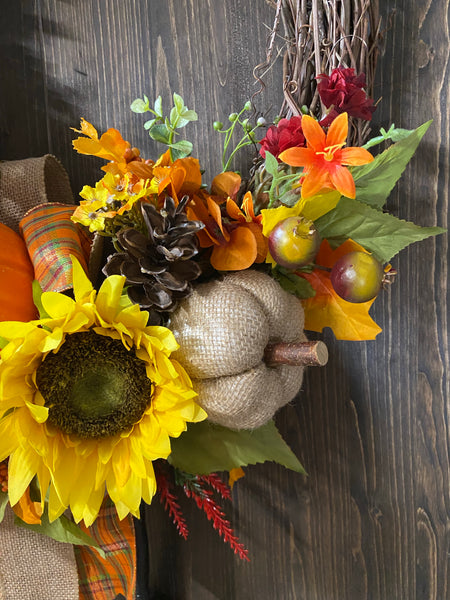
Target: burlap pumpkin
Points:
(223, 330)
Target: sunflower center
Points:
(93, 386)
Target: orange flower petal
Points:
(141, 169)
(238, 254)
(247, 207)
(197, 211)
(226, 184)
(234, 211)
(297, 157)
(337, 133)
(355, 156)
(165, 160)
(262, 243)
(313, 132)
(214, 211)
(86, 129)
(316, 179)
(342, 180)
(27, 510)
(192, 175)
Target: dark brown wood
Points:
(300, 354)
(371, 519)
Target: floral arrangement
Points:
(134, 385)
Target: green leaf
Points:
(392, 134)
(62, 530)
(159, 133)
(378, 232)
(139, 105)
(173, 118)
(3, 504)
(37, 293)
(158, 107)
(179, 103)
(271, 164)
(3, 342)
(181, 149)
(205, 448)
(293, 283)
(189, 115)
(375, 181)
(149, 124)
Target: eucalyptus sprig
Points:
(164, 129)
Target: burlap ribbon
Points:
(29, 182)
(33, 566)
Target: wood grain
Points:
(371, 520)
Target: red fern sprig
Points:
(204, 500)
(217, 484)
(169, 500)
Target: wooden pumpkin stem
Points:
(300, 354)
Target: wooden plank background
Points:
(371, 521)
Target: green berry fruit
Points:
(357, 277)
(294, 242)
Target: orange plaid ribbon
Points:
(104, 579)
(51, 237)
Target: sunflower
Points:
(89, 397)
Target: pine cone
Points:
(158, 266)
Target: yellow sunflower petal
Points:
(15, 329)
(52, 340)
(121, 463)
(85, 500)
(108, 297)
(149, 484)
(56, 304)
(40, 413)
(8, 440)
(82, 287)
(55, 506)
(22, 467)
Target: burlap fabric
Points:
(26, 183)
(223, 329)
(32, 566)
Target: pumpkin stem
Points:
(300, 354)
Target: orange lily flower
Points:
(235, 246)
(324, 157)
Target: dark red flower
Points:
(287, 134)
(343, 91)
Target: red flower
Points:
(287, 134)
(343, 91)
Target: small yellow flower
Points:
(89, 397)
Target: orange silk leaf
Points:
(348, 320)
